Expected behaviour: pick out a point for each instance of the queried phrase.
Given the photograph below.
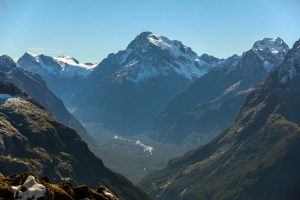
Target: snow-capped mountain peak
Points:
(175, 47)
(29, 54)
(54, 67)
(68, 60)
(274, 45)
(140, 41)
(270, 50)
(150, 55)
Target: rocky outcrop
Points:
(31, 186)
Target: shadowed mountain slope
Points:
(256, 158)
(31, 140)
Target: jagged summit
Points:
(207, 57)
(175, 47)
(266, 48)
(272, 45)
(28, 53)
(150, 55)
(139, 40)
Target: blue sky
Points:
(91, 29)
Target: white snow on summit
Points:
(142, 59)
(270, 50)
(73, 62)
(174, 46)
(54, 67)
(274, 45)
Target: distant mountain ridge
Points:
(134, 90)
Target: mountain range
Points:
(255, 158)
(212, 102)
(132, 85)
(54, 67)
(161, 86)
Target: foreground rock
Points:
(27, 186)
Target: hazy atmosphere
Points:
(149, 100)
